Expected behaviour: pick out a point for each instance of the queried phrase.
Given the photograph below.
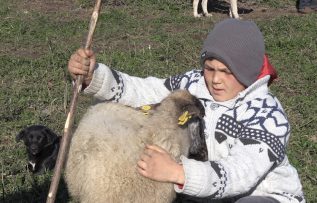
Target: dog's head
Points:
(36, 138)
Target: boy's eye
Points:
(209, 68)
(227, 72)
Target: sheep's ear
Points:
(198, 147)
(191, 111)
(191, 108)
(184, 118)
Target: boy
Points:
(246, 128)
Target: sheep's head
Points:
(190, 113)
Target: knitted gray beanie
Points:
(239, 45)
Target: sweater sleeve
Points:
(236, 174)
(259, 139)
(110, 85)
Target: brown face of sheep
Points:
(191, 114)
(190, 108)
(195, 126)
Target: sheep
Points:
(233, 11)
(101, 165)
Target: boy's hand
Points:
(155, 163)
(82, 62)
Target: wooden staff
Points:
(64, 148)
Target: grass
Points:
(142, 38)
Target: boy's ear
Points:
(21, 135)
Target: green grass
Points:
(141, 38)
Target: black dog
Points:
(42, 147)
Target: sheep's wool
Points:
(109, 140)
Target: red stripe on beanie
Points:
(268, 69)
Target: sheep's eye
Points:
(186, 107)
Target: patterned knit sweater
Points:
(246, 136)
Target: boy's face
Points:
(220, 81)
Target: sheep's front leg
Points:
(205, 8)
(195, 8)
(234, 9)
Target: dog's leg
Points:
(195, 8)
(234, 9)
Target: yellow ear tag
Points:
(145, 109)
(183, 118)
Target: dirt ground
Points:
(257, 12)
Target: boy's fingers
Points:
(155, 148)
(89, 52)
(144, 157)
(92, 65)
(80, 59)
(82, 53)
(79, 65)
